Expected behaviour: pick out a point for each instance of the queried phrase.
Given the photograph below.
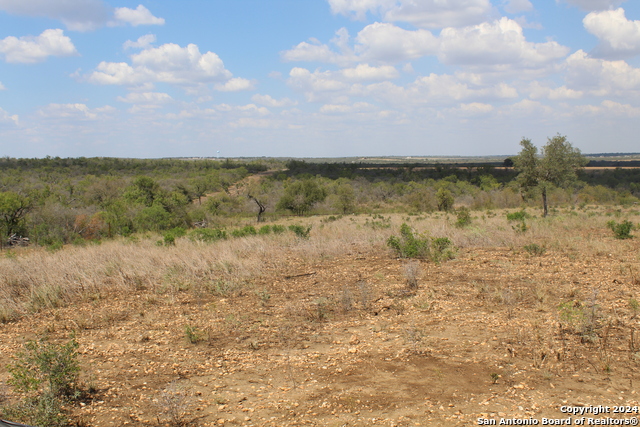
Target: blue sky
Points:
(316, 78)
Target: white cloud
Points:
(600, 77)
(235, 84)
(378, 42)
(74, 111)
(384, 42)
(7, 119)
(77, 15)
(172, 64)
(81, 15)
(538, 90)
(421, 13)
(609, 108)
(518, 6)
(594, 4)
(496, 44)
(618, 36)
(2, 86)
(154, 98)
(271, 102)
(138, 16)
(143, 42)
(365, 72)
(29, 49)
(344, 108)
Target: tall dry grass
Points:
(36, 279)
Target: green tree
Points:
(300, 196)
(557, 165)
(13, 209)
(445, 199)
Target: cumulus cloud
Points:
(600, 77)
(538, 90)
(271, 102)
(383, 42)
(421, 13)
(378, 42)
(29, 49)
(81, 15)
(365, 72)
(143, 42)
(496, 44)
(169, 63)
(138, 16)
(591, 5)
(235, 84)
(618, 36)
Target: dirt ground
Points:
(493, 334)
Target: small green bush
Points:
(535, 249)
(46, 376)
(463, 217)
(208, 235)
(248, 230)
(621, 230)
(278, 229)
(265, 229)
(408, 245)
(300, 231)
(517, 216)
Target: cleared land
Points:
(277, 330)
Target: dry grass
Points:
(35, 279)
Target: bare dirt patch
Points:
(495, 333)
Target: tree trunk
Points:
(544, 201)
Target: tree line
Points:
(55, 201)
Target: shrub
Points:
(265, 229)
(409, 245)
(517, 216)
(535, 249)
(46, 375)
(208, 234)
(463, 217)
(248, 230)
(300, 231)
(621, 230)
(278, 229)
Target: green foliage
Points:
(517, 216)
(46, 375)
(535, 249)
(247, 230)
(193, 334)
(463, 217)
(621, 230)
(300, 196)
(558, 165)
(300, 231)
(278, 229)
(445, 200)
(13, 209)
(208, 234)
(410, 245)
(265, 229)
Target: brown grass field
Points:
(281, 331)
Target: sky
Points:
(316, 78)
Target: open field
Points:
(278, 330)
